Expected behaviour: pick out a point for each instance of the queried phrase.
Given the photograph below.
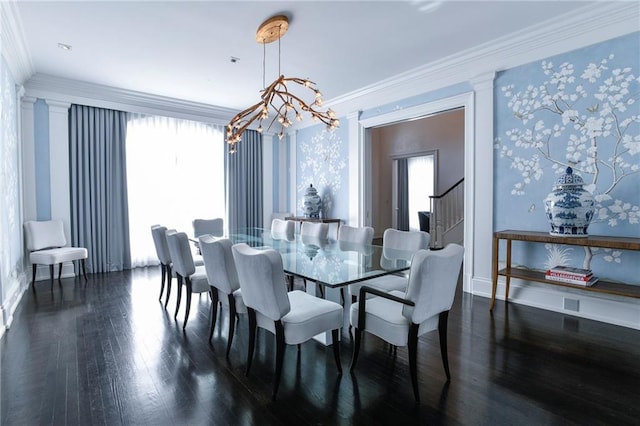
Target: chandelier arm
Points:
(239, 116)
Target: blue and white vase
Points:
(569, 206)
(312, 202)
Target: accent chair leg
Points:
(413, 349)
(84, 269)
(34, 268)
(59, 271)
(51, 275)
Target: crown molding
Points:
(14, 46)
(85, 93)
(589, 25)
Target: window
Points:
(175, 173)
(421, 186)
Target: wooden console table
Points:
(623, 243)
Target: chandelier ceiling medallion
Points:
(277, 95)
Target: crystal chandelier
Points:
(277, 97)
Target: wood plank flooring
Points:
(108, 353)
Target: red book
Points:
(570, 273)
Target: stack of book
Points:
(567, 274)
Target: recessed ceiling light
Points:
(64, 46)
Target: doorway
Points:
(414, 181)
(440, 135)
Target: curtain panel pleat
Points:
(244, 195)
(98, 178)
(403, 195)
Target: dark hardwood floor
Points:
(108, 353)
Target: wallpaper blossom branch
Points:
(579, 109)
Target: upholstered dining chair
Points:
(293, 317)
(283, 229)
(158, 232)
(357, 235)
(223, 280)
(47, 245)
(401, 317)
(213, 227)
(407, 241)
(316, 230)
(195, 278)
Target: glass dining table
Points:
(329, 263)
(332, 265)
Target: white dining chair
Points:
(223, 280)
(400, 318)
(408, 242)
(159, 232)
(293, 317)
(213, 227)
(314, 229)
(194, 278)
(283, 229)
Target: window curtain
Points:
(403, 195)
(98, 178)
(244, 193)
(176, 174)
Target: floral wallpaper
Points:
(579, 109)
(11, 266)
(322, 161)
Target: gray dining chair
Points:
(223, 280)
(400, 318)
(293, 317)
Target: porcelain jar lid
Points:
(569, 179)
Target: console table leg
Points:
(494, 274)
(508, 266)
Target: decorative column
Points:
(356, 178)
(59, 162)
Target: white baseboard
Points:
(10, 304)
(617, 310)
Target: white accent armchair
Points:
(48, 246)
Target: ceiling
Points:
(183, 49)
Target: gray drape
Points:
(244, 193)
(403, 194)
(98, 178)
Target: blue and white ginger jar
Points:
(312, 202)
(569, 206)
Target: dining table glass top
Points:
(327, 262)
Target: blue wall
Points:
(579, 108)
(322, 160)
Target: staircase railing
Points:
(447, 210)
